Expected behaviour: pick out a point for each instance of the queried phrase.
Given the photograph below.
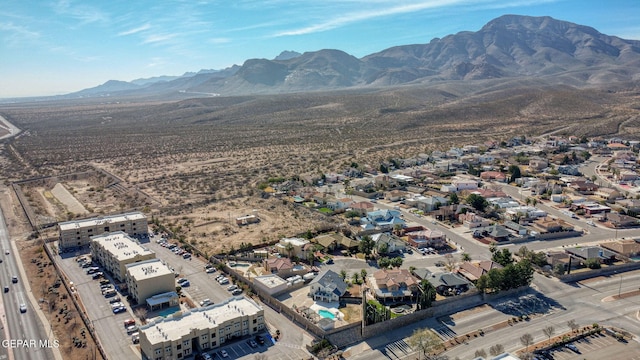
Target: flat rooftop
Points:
(147, 269)
(120, 245)
(270, 281)
(175, 327)
(97, 221)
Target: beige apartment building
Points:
(149, 278)
(114, 251)
(78, 233)
(201, 329)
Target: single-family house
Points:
(328, 286)
(473, 270)
(327, 241)
(627, 247)
(383, 219)
(427, 238)
(449, 283)
(538, 164)
(493, 175)
(472, 220)
(608, 194)
(293, 247)
(393, 243)
(495, 232)
(629, 206)
(550, 225)
(593, 208)
(464, 184)
(626, 175)
(593, 252)
(621, 221)
(362, 207)
(393, 285)
(395, 195)
(583, 187)
(430, 203)
(283, 267)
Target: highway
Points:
(21, 326)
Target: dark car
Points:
(6, 289)
(260, 339)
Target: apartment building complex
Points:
(151, 279)
(201, 329)
(78, 233)
(115, 250)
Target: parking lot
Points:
(599, 347)
(108, 325)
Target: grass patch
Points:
(325, 210)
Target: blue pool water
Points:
(326, 314)
(169, 311)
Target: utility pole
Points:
(620, 286)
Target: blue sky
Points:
(61, 46)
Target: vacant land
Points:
(195, 165)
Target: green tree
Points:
(592, 263)
(383, 248)
(426, 295)
(476, 201)
(514, 170)
(466, 257)
(502, 257)
(424, 341)
(366, 245)
(356, 277)
(384, 262)
(396, 262)
(343, 274)
(453, 198)
(363, 274)
(288, 248)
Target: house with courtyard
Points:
(427, 238)
(293, 247)
(585, 253)
(282, 266)
(626, 247)
(551, 225)
(383, 219)
(392, 242)
(446, 283)
(328, 286)
(473, 270)
(393, 285)
(362, 208)
(617, 220)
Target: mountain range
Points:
(509, 47)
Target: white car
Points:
(223, 281)
(224, 354)
(23, 308)
(232, 287)
(205, 302)
(210, 270)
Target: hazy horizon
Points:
(64, 46)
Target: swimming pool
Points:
(326, 314)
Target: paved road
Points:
(563, 302)
(20, 326)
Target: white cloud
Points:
(219, 40)
(16, 34)
(86, 14)
(144, 27)
(158, 38)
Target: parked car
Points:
(105, 282)
(224, 354)
(114, 300)
(206, 356)
(573, 348)
(236, 292)
(185, 284)
(252, 343)
(260, 339)
(98, 275)
(210, 270)
(205, 302)
(131, 329)
(119, 309)
(186, 255)
(135, 338)
(223, 281)
(232, 287)
(129, 322)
